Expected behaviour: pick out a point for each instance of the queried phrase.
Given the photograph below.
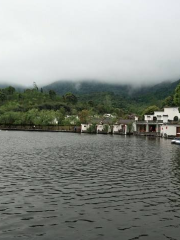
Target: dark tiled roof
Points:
(125, 121)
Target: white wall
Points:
(100, 128)
(165, 119)
(170, 112)
(134, 127)
(84, 127)
(169, 130)
(148, 117)
(156, 113)
(159, 117)
(116, 128)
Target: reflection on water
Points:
(78, 186)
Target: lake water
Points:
(79, 186)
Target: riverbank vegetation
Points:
(39, 107)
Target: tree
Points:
(107, 103)
(3, 96)
(8, 118)
(177, 96)
(20, 96)
(52, 94)
(91, 103)
(168, 102)
(119, 112)
(70, 98)
(83, 115)
(59, 117)
(100, 108)
(92, 128)
(150, 110)
(130, 127)
(35, 87)
(10, 90)
(105, 128)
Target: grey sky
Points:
(113, 40)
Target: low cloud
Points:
(114, 41)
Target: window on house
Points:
(176, 118)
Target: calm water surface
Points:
(77, 186)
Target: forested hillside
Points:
(85, 87)
(45, 107)
(121, 95)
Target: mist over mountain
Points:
(133, 42)
(87, 87)
(127, 97)
(16, 86)
(93, 95)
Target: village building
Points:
(108, 115)
(170, 130)
(72, 119)
(85, 127)
(161, 123)
(103, 128)
(124, 126)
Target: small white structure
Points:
(134, 126)
(117, 128)
(72, 119)
(136, 118)
(101, 128)
(120, 129)
(108, 115)
(54, 121)
(169, 114)
(84, 127)
(169, 130)
(125, 126)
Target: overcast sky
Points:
(121, 41)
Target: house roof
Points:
(107, 120)
(125, 121)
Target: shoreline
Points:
(79, 132)
(72, 129)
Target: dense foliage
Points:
(45, 107)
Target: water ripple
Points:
(72, 186)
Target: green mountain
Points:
(40, 107)
(16, 86)
(123, 96)
(95, 96)
(86, 87)
(161, 90)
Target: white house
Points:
(170, 130)
(156, 124)
(108, 115)
(169, 114)
(120, 129)
(84, 127)
(101, 128)
(124, 126)
(117, 128)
